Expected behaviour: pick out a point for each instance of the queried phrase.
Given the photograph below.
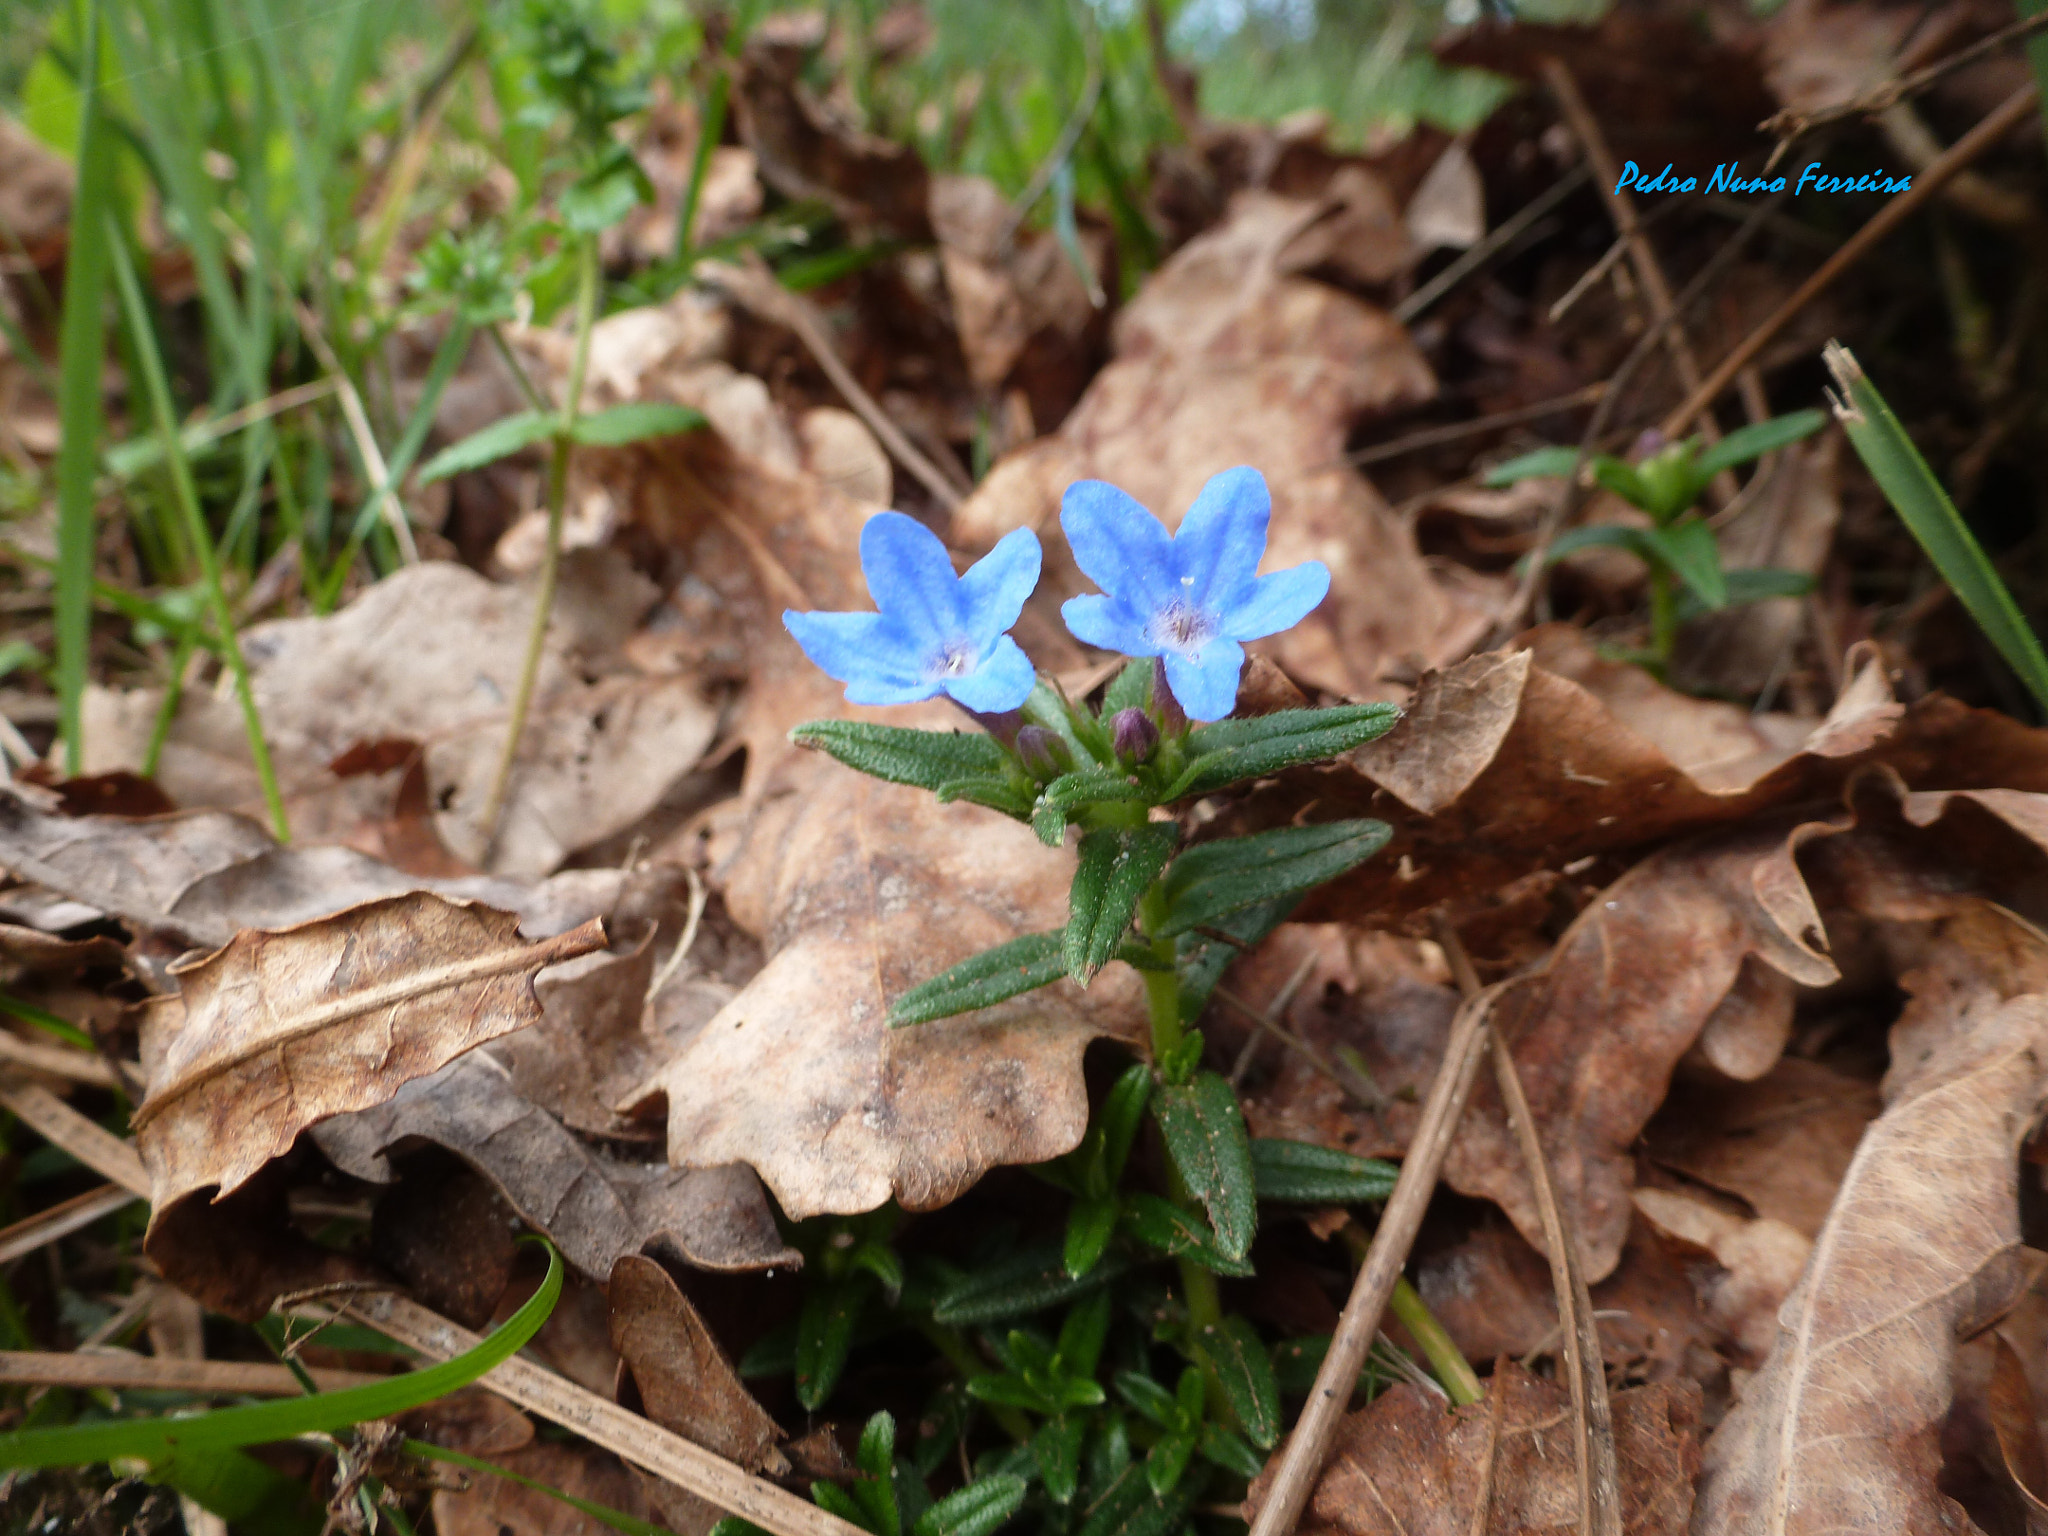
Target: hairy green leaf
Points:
(1214, 879)
(1245, 1372)
(1529, 466)
(635, 422)
(1163, 1225)
(1688, 550)
(1129, 1507)
(1231, 751)
(824, 1335)
(923, 759)
(976, 1510)
(1205, 1136)
(1117, 866)
(1025, 1283)
(1756, 440)
(1070, 791)
(1303, 1173)
(983, 980)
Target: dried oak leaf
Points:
(861, 890)
(275, 1031)
(492, 1506)
(1403, 1466)
(1841, 1427)
(1760, 1262)
(596, 1209)
(1224, 359)
(1502, 766)
(1596, 1032)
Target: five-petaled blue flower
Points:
(1188, 597)
(936, 632)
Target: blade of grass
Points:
(710, 128)
(158, 388)
(80, 411)
(604, 1514)
(1923, 506)
(154, 1440)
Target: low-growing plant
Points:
(1679, 549)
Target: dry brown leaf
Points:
(1502, 767)
(595, 1209)
(1595, 1040)
(860, 891)
(1781, 1143)
(1223, 359)
(1762, 1260)
(1404, 1466)
(1920, 1250)
(35, 193)
(686, 1383)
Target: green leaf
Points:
(1231, 751)
(1213, 879)
(1179, 1234)
(1205, 1136)
(1621, 478)
(1753, 442)
(635, 422)
(1070, 791)
(1027, 1282)
(1544, 461)
(1245, 1372)
(1750, 584)
(1895, 464)
(1046, 707)
(501, 439)
(1302, 1173)
(236, 1486)
(876, 1456)
(1596, 536)
(1168, 1460)
(824, 1335)
(1123, 1110)
(1090, 1223)
(154, 1440)
(1057, 1450)
(922, 759)
(835, 1500)
(1148, 1397)
(1117, 866)
(1082, 1336)
(1688, 550)
(1230, 1452)
(1130, 688)
(1129, 1507)
(1007, 795)
(982, 980)
(1202, 958)
(976, 1510)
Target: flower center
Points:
(1183, 626)
(953, 659)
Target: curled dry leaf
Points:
(1224, 359)
(800, 1075)
(278, 1030)
(1760, 1262)
(597, 1210)
(1921, 1249)
(1404, 1467)
(1595, 1041)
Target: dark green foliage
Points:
(1211, 880)
(1302, 1173)
(1205, 1136)
(1117, 866)
(983, 980)
(1232, 751)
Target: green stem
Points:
(1663, 616)
(158, 387)
(167, 712)
(947, 1341)
(710, 131)
(551, 559)
(1453, 1371)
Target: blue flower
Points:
(1189, 597)
(937, 632)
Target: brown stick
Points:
(156, 1373)
(56, 1060)
(639, 1440)
(1301, 1462)
(61, 1125)
(2003, 118)
(1457, 431)
(755, 287)
(61, 1220)
(1789, 125)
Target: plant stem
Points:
(1663, 617)
(551, 559)
(1453, 1371)
(158, 387)
(709, 131)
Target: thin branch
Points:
(1790, 125)
(2003, 118)
(1496, 240)
(1458, 431)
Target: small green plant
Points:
(1678, 548)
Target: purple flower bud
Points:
(1044, 755)
(1133, 735)
(1650, 444)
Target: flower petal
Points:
(1119, 546)
(1207, 689)
(1223, 537)
(910, 576)
(1002, 682)
(866, 652)
(1105, 622)
(1276, 602)
(993, 590)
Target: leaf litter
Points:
(647, 1013)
